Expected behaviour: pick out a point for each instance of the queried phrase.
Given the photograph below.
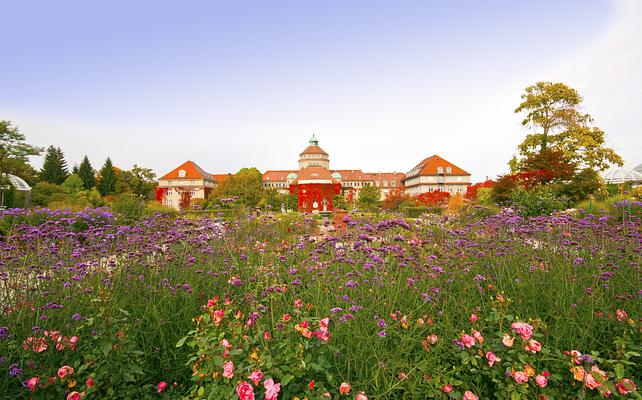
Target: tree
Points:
(14, 150)
(436, 198)
(143, 181)
(553, 111)
(107, 179)
(246, 184)
(87, 174)
(54, 168)
(369, 196)
(73, 184)
(394, 198)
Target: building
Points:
(315, 184)
(436, 173)
(186, 182)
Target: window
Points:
(169, 183)
(440, 170)
(192, 182)
(449, 170)
(181, 173)
(385, 183)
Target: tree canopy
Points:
(14, 151)
(553, 113)
(87, 174)
(107, 181)
(369, 196)
(54, 168)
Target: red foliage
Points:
(471, 191)
(394, 198)
(161, 193)
(310, 193)
(186, 198)
(436, 198)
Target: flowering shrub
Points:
(252, 355)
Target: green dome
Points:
(291, 175)
(336, 175)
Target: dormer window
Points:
(449, 170)
(181, 173)
(440, 170)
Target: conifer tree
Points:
(107, 182)
(87, 173)
(54, 169)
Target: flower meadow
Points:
(262, 307)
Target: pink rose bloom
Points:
(74, 396)
(324, 324)
(225, 343)
(520, 376)
(64, 371)
(245, 391)
(298, 303)
(286, 317)
(433, 338)
(473, 318)
(447, 388)
(590, 381)
(523, 329)
(344, 388)
(360, 396)
(162, 385)
(89, 382)
(271, 389)
(32, 383)
(468, 340)
(256, 376)
(541, 381)
(492, 358)
(266, 335)
(621, 315)
(533, 346)
(228, 370)
(468, 395)
(72, 342)
(478, 336)
(508, 341)
(210, 303)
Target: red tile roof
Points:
(312, 149)
(354, 175)
(221, 177)
(314, 172)
(429, 167)
(277, 175)
(192, 171)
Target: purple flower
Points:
(382, 333)
(15, 370)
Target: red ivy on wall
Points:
(436, 198)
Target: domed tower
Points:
(313, 155)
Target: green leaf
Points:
(619, 371)
(287, 379)
(181, 342)
(515, 396)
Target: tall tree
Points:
(54, 168)
(87, 174)
(369, 197)
(107, 181)
(13, 149)
(553, 112)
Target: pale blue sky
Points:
(245, 83)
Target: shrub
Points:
(128, 207)
(538, 201)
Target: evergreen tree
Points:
(54, 169)
(87, 173)
(107, 182)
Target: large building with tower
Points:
(315, 183)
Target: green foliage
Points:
(87, 173)
(54, 168)
(584, 184)
(73, 184)
(339, 202)
(246, 184)
(8, 198)
(418, 211)
(107, 179)
(44, 193)
(13, 149)
(128, 207)
(369, 197)
(485, 195)
(538, 201)
(553, 111)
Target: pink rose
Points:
(32, 383)
(447, 388)
(533, 346)
(266, 335)
(271, 389)
(468, 395)
(360, 396)
(492, 358)
(344, 388)
(468, 340)
(523, 329)
(228, 370)
(74, 396)
(541, 381)
(478, 336)
(520, 376)
(473, 318)
(162, 385)
(256, 376)
(245, 391)
(64, 371)
(323, 324)
(89, 382)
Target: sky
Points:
(382, 84)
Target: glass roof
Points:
(18, 183)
